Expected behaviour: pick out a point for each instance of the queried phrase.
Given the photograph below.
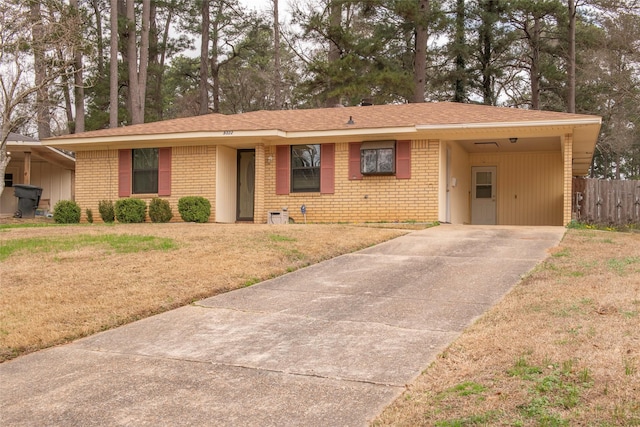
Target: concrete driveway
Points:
(331, 344)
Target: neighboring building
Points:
(39, 165)
(459, 163)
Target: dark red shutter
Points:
(403, 159)
(282, 169)
(124, 173)
(164, 171)
(354, 160)
(327, 168)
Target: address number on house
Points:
(227, 132)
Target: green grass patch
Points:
(523, 370)
(32, 225)
(561, 254)
(551, 390)
(472, 420)
(619, 265)
(118, 243)
(251, 281)
(280, 238)
(468, 388)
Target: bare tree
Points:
(40, 71)
(77, 76)
(19, 92)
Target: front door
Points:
(246, 184)
(483, 198)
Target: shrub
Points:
(66, 212)
(107, 211)
(89, 214)
(160, 210)
(194, 209)
(130, 210)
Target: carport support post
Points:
(567, 155)
(26, 179)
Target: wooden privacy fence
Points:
(606, 202)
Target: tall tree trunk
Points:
(420, 58)
(215, 65)
(78, 82)
(161, 62)
(43, 113)
(571, 60)
(486, 37)
(535, 64)
(138, 74)
(277, 83)
(460, 91)
(100, 43)
(123, 48)
(155, 69)
(66, 89)
(204, 59)
(113, 66)
(335, 22)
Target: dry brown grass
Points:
(563, 348)
(47, 298)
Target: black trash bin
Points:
(28, 199)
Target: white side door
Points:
(483, 197)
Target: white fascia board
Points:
(539, 123)
(61, 154)
(227, 134)
(350, 132)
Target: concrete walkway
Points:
(331, 344)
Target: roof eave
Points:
(230, 137)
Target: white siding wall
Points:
(56, 183)
(530, 186)
(226, 184)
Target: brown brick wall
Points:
(374, 198)
(193, 173)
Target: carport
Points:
(492, 174)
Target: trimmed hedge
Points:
(160, 210)
(107, 211)
(194, 209)
(66, 212)
(130, 210)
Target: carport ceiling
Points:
(504, 145)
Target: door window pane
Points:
(483, 178)
(483, 191)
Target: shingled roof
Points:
(336, 119)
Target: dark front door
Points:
(246, 184)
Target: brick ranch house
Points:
(458, 163)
